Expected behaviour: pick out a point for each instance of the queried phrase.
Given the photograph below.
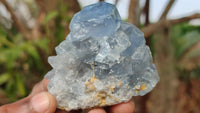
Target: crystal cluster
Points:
(103, 61)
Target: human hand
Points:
(41, 101)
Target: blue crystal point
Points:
(96, 20)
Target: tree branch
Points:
(41, 5)
(17, 22)
(152, 28)
(146, 11)
(167, 8)
(116, 2)
(134, 12)
(183, 19)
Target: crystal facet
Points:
(103, 61)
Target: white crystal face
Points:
(103, 61)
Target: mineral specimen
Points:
(103, 61)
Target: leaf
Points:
(4, 78)
(51, 15)
(43, 44)
(20, 85)
(190, 60)
(9, 55)
(11, 89)
(185, 42)
(4, 41)
(3, 57)
(194, 51)
(29, 48)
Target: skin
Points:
(40, 101)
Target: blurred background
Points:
(30, 29)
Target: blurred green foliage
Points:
(18, 59)
(186, 40)
(24, 62)
(184, 36)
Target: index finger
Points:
(126, 107)
(40, 87)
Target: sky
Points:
(179, 9)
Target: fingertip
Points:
(97, 110)
(40, 103)
(53, 103)
(45, 83)
(40, 87)
(43, 103)
(126, 107)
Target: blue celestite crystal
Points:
(103, 61)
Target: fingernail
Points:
(40, 102)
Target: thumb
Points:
(40, 103)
